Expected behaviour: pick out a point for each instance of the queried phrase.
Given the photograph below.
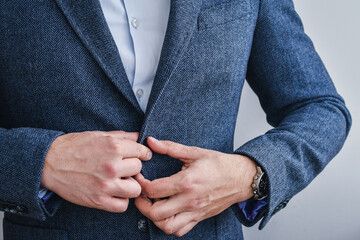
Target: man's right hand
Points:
(95, 169)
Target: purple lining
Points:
(252, 207)
(47, 196)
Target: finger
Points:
(142, 181)
(175, 223)
(131, 149)
(170, 225)
(125, 188)
(129, 167)
(175, 150)
(166, 208)
(163, 187)
(124, 135)
(114, 204)
(144, 205)
(185, 229)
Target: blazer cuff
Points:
(262, 151)
(23, 152)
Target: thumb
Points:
(179, 151)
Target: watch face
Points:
(263, 185)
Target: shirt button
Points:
(135, 23)
(139, 93)
(142, 226)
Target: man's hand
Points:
(95, 169)
(208, 183)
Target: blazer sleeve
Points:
(310, 119)
(22, 154)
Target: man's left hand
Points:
(208, 183)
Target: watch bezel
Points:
(259, 184)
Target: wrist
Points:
(244, 175)
(48, 166)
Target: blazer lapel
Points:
(181, 25)
(87, 20)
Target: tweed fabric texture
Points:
(60, 72)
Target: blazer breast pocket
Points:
(223, 13)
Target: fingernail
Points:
(148, 156)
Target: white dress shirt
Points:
(138, 28)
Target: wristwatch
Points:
(260, 184)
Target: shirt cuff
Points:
(44, 194)
(251, 208)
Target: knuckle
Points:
(138, 165)
(154, 216)
(171, 146)
(112, 143)
(136, 191)
(139, 150)
(194, 149)
(187, 184)
(149, 192)
(109, 169)
(194, 204)
(98, 200)
(120, 208)
(167, 142)
(168, 228)
(177, 147)
(130, 190)
(199, 217)
(90, 133)
(177, 234)
(103, 186)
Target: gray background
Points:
(328, 208)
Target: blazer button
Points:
(12, 208)
(5, 206)
(21, 209)
(280, 206)
(142, 225)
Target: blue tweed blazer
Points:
(60, 72)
